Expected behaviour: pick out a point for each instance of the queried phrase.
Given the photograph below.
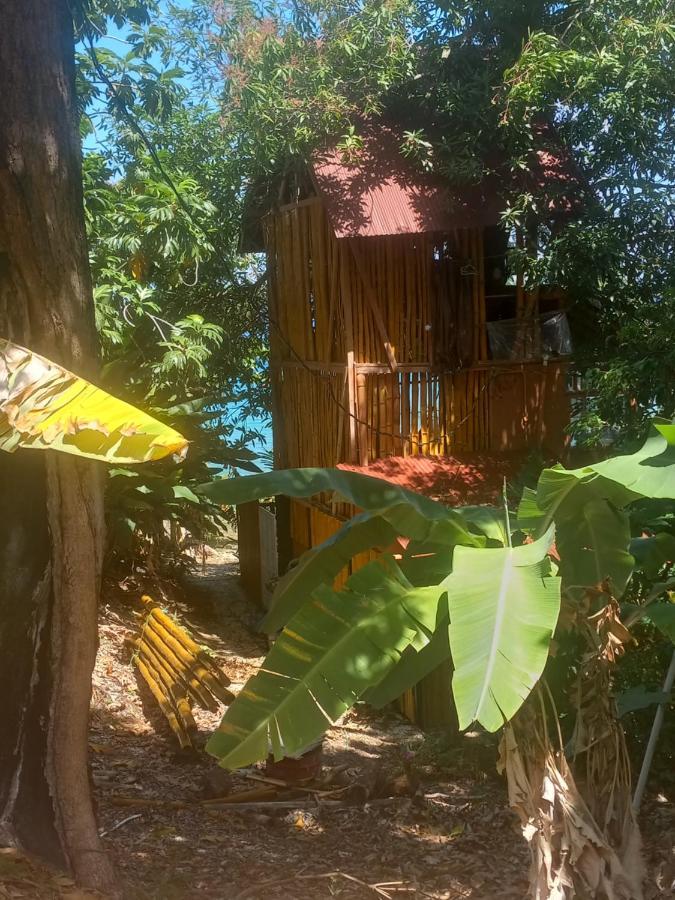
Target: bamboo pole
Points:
(190, 662)
(155, 611)
(164, 704)
(372, 300)
(654, 737)
(175, 689)
(203, 697)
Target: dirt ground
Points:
(426, 817)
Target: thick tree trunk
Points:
(50, 506)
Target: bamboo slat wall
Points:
(330, 297)
(378, 348)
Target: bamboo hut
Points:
(396, 333)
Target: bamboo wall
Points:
(379, 347)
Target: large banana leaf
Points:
(322, 564)
(650, 472)
(504, 605)
(365, 531)
(44, 406)
(409, 514)
(414, 664)
(332, 650)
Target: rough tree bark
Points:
(50, 505)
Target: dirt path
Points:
(446, 834)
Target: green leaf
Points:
(650, 472)
(409, 514)
(182, 492)
(405, 509)
(323, 563)
(504, 605)
(594, 547)
(662, 615)
(638, 697)
(332, 650)
(529, 515)
(489, 520)
(653, 552)
(413, 665)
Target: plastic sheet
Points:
(539, 337)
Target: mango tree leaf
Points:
(594, 547)
(45, 407)
(332, 650)
(504, 605)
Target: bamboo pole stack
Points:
(178, 672)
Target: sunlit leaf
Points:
(45, 407)
(332, 650)
(504, 605)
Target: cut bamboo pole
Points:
(191, 663)
(174, 687)
(164, 704)
(201, 695)
(180, 635)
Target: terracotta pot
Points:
(296, 769)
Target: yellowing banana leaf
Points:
(45, 407)
(504, 605)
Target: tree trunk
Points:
(50, 505)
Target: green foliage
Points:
(482, 89)
(291, 79)
(334, 648)
(179, 311)
(504, 606)
(500, 589)
(604, 74)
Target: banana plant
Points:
(45, 407)
(467, 585)
(463, 586)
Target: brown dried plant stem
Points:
(576, 815)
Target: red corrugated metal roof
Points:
(380, 192)
(454, 480)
